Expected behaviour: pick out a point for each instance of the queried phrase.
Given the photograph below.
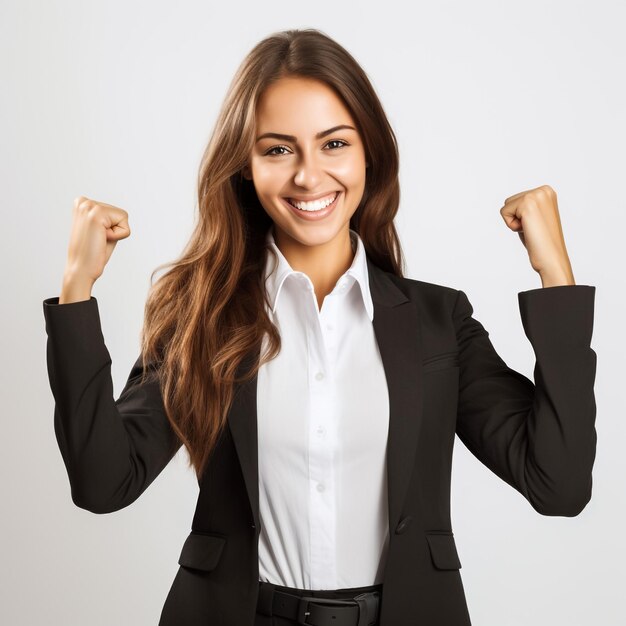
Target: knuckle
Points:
(93, 211)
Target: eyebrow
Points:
(319, 135)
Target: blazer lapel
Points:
(398, 333)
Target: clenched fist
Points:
(96, 229)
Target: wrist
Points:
(75, 288)
(556, 278)
(557, 272)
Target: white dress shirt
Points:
(323, 419)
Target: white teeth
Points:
(316, 205)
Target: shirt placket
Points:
(322, 437)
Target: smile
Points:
(314, 205)
(316, 210)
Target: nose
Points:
(308, 172)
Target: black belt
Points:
(363, 610)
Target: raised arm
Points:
(540, 438)
(112, 449)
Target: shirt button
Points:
(320, 487)
(319, 375)
(329, 326)
(320, 430)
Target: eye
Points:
(271, 152)
(341, 141)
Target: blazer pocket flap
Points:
(443, 551)
(201, 551)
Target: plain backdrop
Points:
(116, 101)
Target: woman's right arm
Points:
(112, 449)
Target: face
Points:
(308, 149)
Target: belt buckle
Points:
(304, 601)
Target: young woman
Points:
(317, 390)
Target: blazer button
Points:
(402, 526)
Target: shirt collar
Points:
(274, 279)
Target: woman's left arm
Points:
(541, 437)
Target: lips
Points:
(327, 196)
(313, 215)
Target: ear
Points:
(245, 172)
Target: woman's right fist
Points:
(96, 229)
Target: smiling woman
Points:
(313, 182)
(322, 171)
(302, 148)
(316, 389)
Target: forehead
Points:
(300, 106)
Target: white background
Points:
(116, 101)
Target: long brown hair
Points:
(206, 316)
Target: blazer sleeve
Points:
(112, 449)
(538, 437)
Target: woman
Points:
(316, 389)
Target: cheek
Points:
(351, 172)
(267, 180)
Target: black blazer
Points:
(444, 377)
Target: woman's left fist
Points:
(534, 215)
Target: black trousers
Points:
(337, 594)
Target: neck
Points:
(323, 263)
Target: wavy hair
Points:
(206, 317)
